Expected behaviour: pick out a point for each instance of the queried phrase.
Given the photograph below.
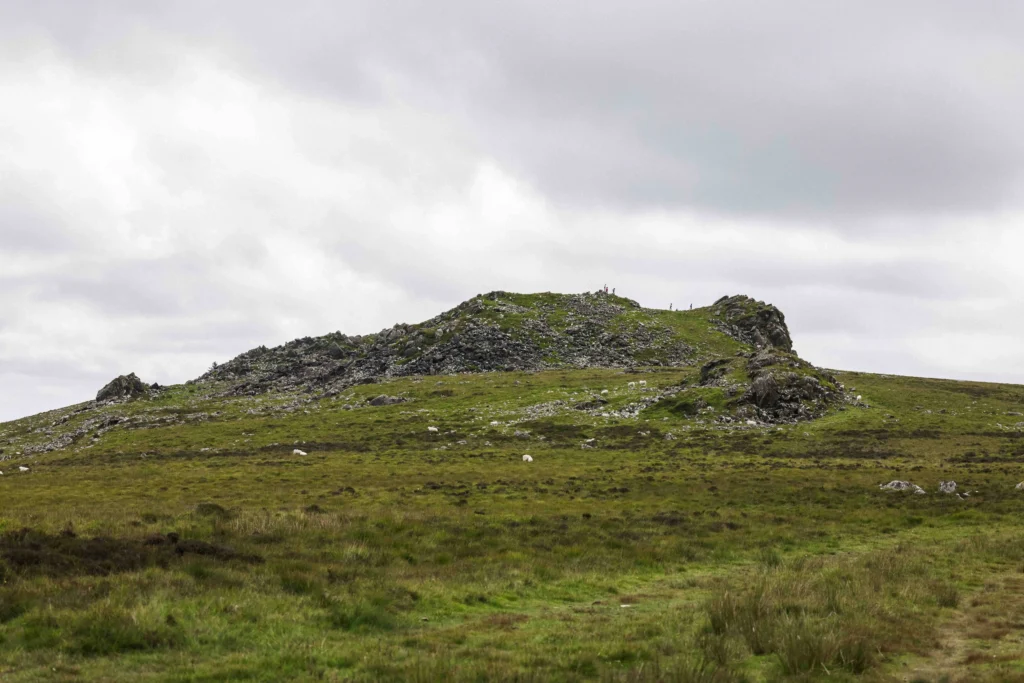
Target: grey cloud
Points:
(47, 370)
(34, 385)
(798, 109)
(28, 226)
(159, 287)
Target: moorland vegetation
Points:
(702, 505)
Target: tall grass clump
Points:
(819, 615)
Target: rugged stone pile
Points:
(488, 332)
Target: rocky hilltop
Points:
(502, 331)
(737, 354)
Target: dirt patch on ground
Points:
(28, 552)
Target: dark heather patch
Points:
(28, 552)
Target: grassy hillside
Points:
(670, 529)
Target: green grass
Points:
(392, 553)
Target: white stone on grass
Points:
(897, 485)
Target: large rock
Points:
(764, 391)
(125, 386)
(752, 322)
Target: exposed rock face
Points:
(488, 332)
(752, 322)
(125, 386)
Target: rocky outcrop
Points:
(783, 387)
(752, 322)
(769, 386)
(492, 332)
(123, 387)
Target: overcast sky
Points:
(182, 181)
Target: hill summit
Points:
(750, 370)
(503, 331)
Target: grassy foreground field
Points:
(390, 552)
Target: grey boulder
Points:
(125, 386)
(385, 400)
